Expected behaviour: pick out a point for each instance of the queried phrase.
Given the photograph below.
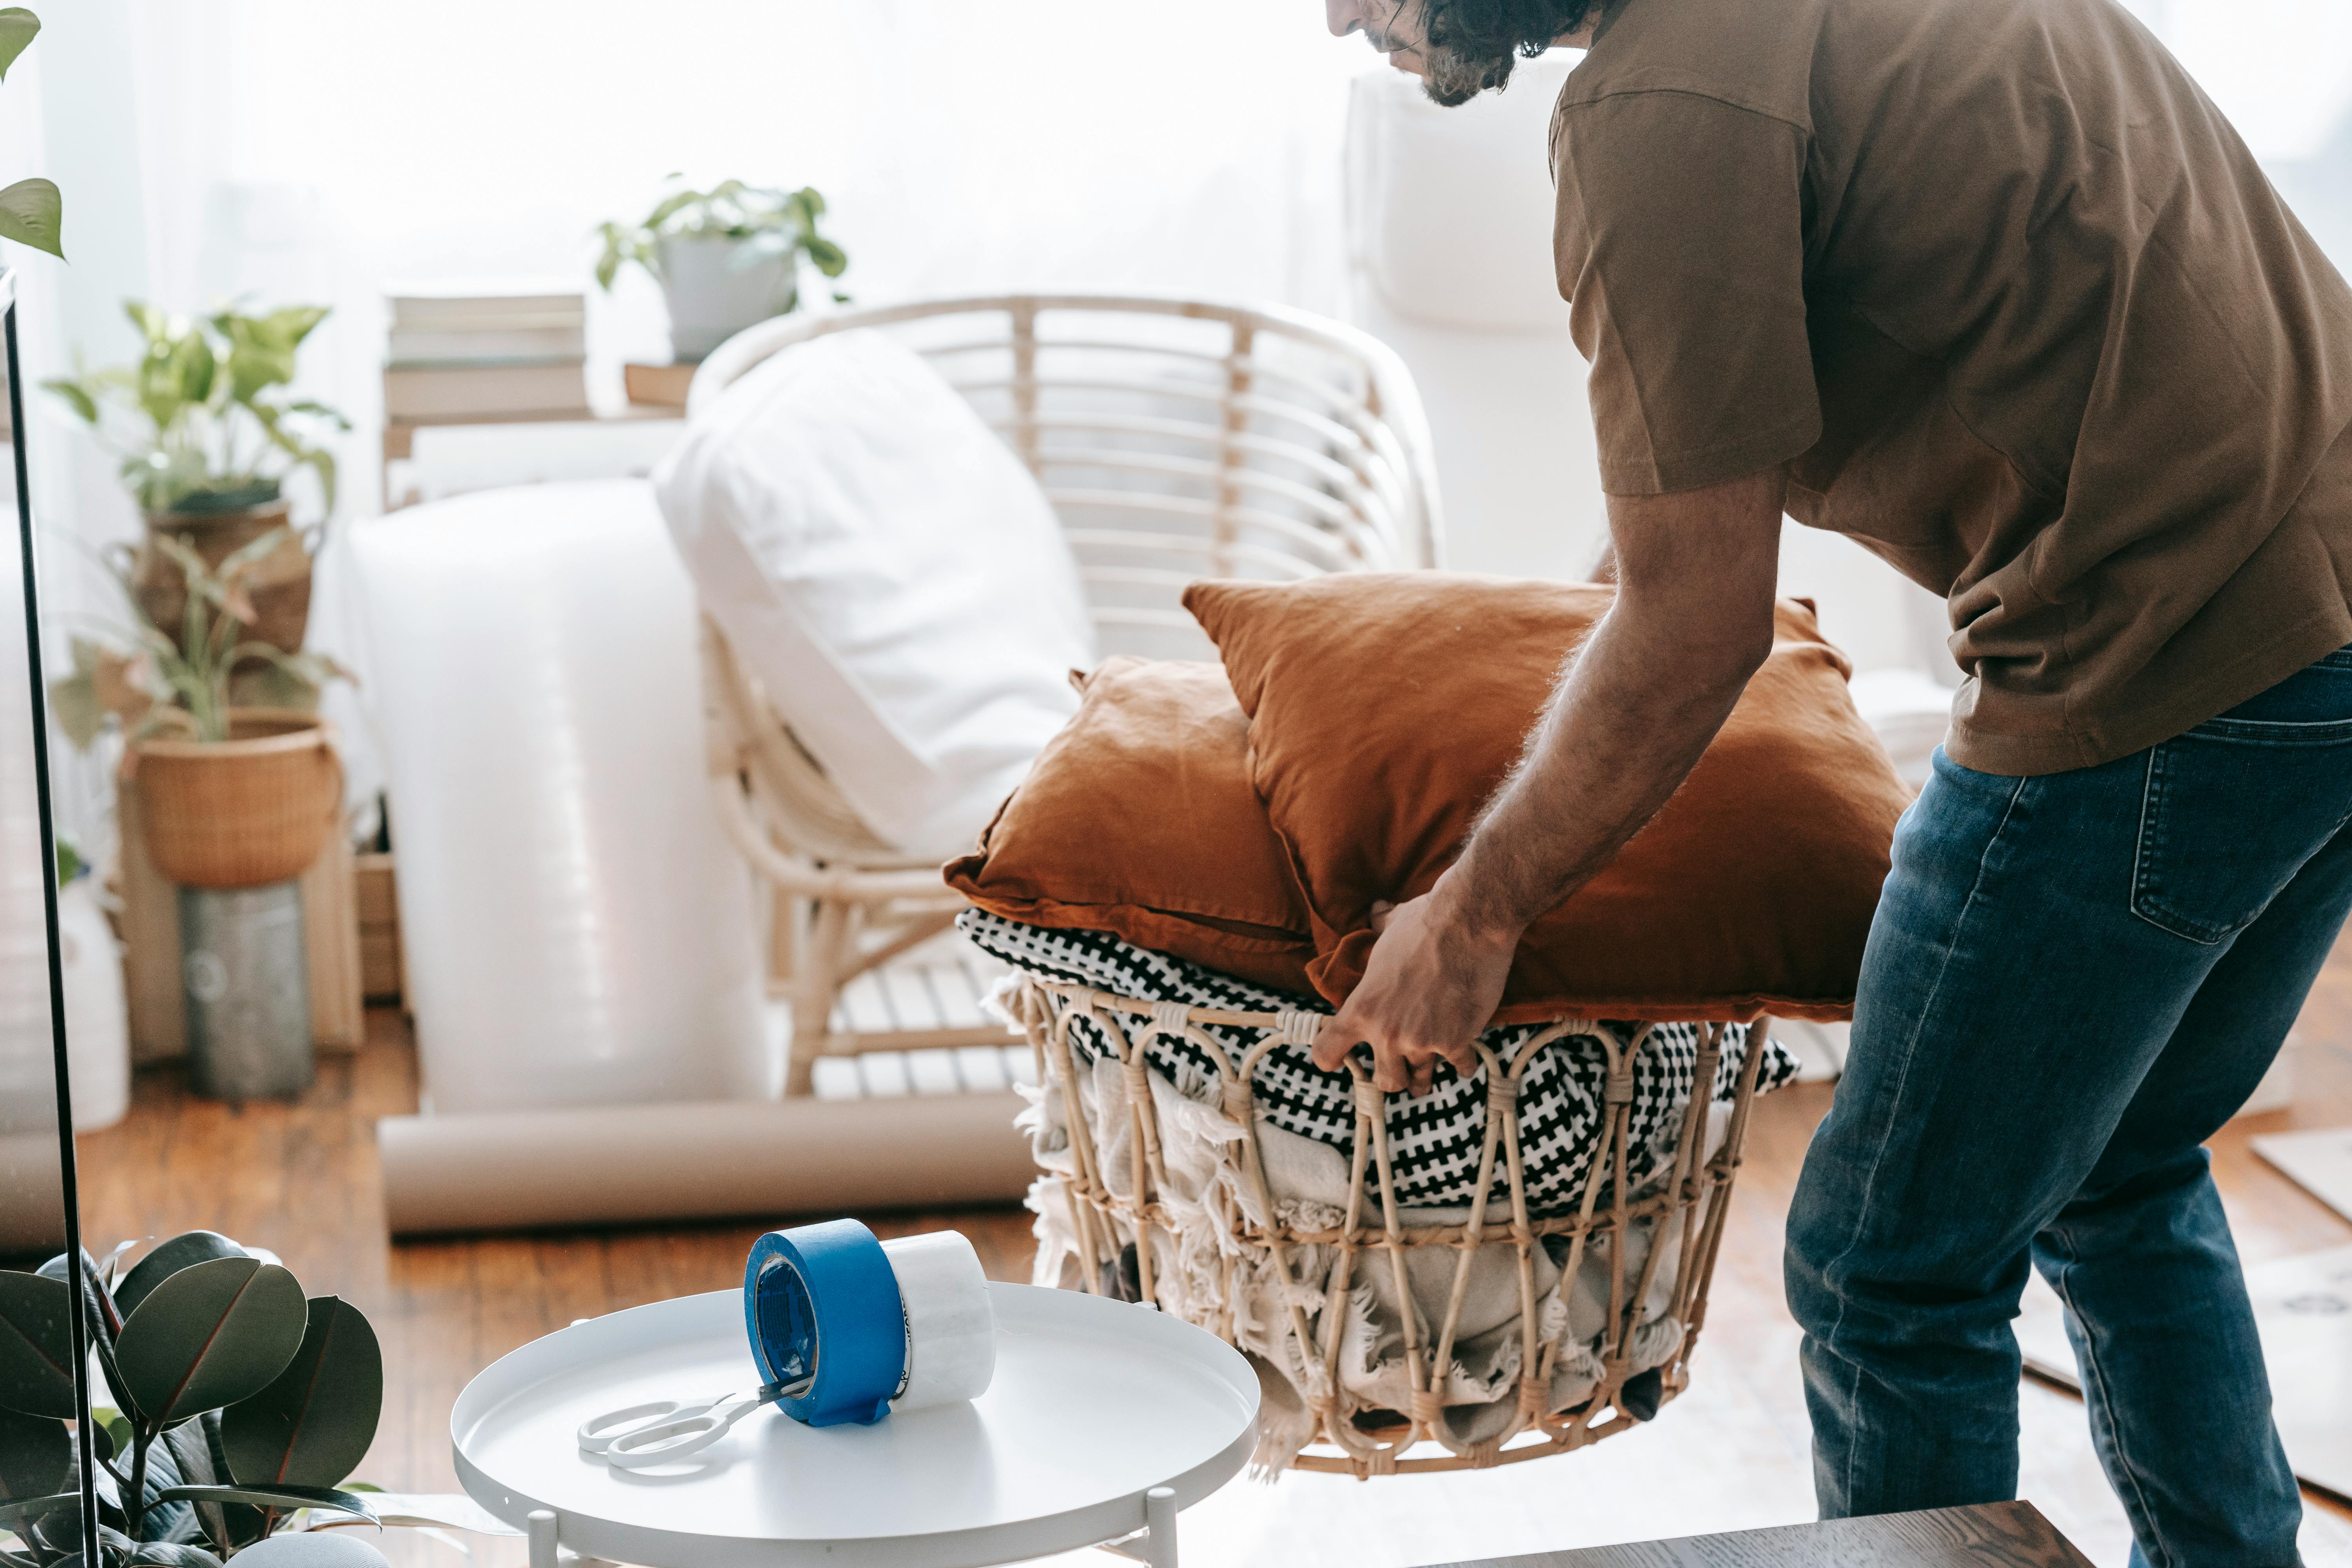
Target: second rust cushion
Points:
(1139, 819)
(1385, 708)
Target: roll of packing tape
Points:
(851, 1328)
(950, 1328)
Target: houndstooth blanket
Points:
(1434, 1141)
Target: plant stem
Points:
(120, 1479)
(134, 1501)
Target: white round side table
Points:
(1103, 1420)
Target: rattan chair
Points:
(1176, 440)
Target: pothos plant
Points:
(769, 222)
(31, 211)
(188, 683)
(239, 1405)
(201, 423)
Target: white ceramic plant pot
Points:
(715, 287)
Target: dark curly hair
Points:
(1473, 44)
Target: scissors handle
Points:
(662, 1442)
(597, 1433)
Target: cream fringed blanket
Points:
(1208, 1261)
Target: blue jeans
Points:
(2073, 981)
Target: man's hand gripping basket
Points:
(1174, 1195)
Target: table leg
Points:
(540, 1525)
(1159, 1541)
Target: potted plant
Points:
(239, 1408)
(235, 801)
(726, 259)
(239, 793)
(207, 436)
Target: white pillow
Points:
(892, 574)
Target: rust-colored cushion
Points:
(1139, 819)
(1385, 708)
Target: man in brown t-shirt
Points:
(1992, 287)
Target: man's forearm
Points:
(1624, 729)
(1635, 706)
(1633, 713)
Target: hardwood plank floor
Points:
(300, 1179)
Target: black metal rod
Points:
(78, 1322)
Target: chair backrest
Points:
(1176, 439)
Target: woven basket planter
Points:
(245, 812)
(1628, 1230)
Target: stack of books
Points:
(472, 352)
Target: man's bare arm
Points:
(1635, 708)
(1637, 705)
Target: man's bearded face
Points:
(1395, 28)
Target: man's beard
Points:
(1454, 80)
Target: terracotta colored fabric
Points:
(1384, 710)
(1139, 819)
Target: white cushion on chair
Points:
(892, 574)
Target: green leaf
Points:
(115, 1550)
(194, 363)
(182, 1250)
(276, 1496)
(17, 1509)
(210, 1335)
(36, 1348)
(32, 212)
(313, 1427)
(75, 396)
(74, 704)
(290, 324)
(155, 322)
(171, 1554)
(36, 1455)
(56, 1532)
(829, 257)
(198, 1455)
(18, 27)
(671, 207)
(99, 1315)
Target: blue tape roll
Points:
(821, 1305)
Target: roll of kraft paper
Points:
(851, 1328)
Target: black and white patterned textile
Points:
(1435, 1141)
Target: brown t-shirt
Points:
(2016, 308)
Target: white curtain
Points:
(283, 150)
(287, 149)
(292, 149)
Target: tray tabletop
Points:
(1095, 1402)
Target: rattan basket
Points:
(1686, 1207)
(245, 812)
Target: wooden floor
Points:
(301, 1180)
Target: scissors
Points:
(640, 1436)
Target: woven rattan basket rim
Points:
(1579, 1022)
(308, 731)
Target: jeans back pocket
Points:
(2231, 811)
